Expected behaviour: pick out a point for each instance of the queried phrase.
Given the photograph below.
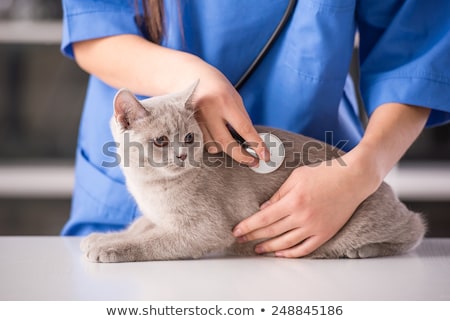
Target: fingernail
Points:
(279, 254)
(237, 233)
(254, 163)
(264, 205)
(259, 249)
(242, 239)
(213, 150)
(265, 154)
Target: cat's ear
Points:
(127, 109)
(188, 93)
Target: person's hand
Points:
(307, 210)
(151, 70)
(218, 104)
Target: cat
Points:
(190, 200)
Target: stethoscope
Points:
(277, 154)
(279, 28)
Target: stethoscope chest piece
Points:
(277, 154)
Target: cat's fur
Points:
(190, 206)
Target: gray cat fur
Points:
(190, 208)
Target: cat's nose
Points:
(182, 157)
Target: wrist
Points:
(365, 167)
(392, 128)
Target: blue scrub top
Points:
(301, 85)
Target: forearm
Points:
(149, 69)
(391, 130)
(133, 62)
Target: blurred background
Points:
(41, 98)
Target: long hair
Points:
(154, 19)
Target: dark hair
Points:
(154, 19)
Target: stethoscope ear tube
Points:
(287, 14)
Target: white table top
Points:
(52, 268)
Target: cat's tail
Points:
(407, 229)
(409, 237)
(411, 234)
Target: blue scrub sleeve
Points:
(84, 20)
(405, 54)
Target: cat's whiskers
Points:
(192, 114)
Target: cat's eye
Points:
(161, 141)
(189, 138)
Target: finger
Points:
(221, 135)
(306, 247)
(244, 127)
(275, 198)
(282, 242)
(279, 227)
(284, 188)
(211, 146)
(259, 220)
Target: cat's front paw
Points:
(103, 255)
(89, 241)
(105, 248)
(366, 251)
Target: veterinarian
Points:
(302, 85)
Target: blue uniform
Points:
(302, 84)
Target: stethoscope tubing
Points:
(279, 28)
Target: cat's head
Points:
(159, 132)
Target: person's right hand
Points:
(219, 104)
(149, 69)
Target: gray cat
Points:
(191, 200)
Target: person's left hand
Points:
(308, 209)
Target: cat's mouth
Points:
(177, 165)
(173, 169)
